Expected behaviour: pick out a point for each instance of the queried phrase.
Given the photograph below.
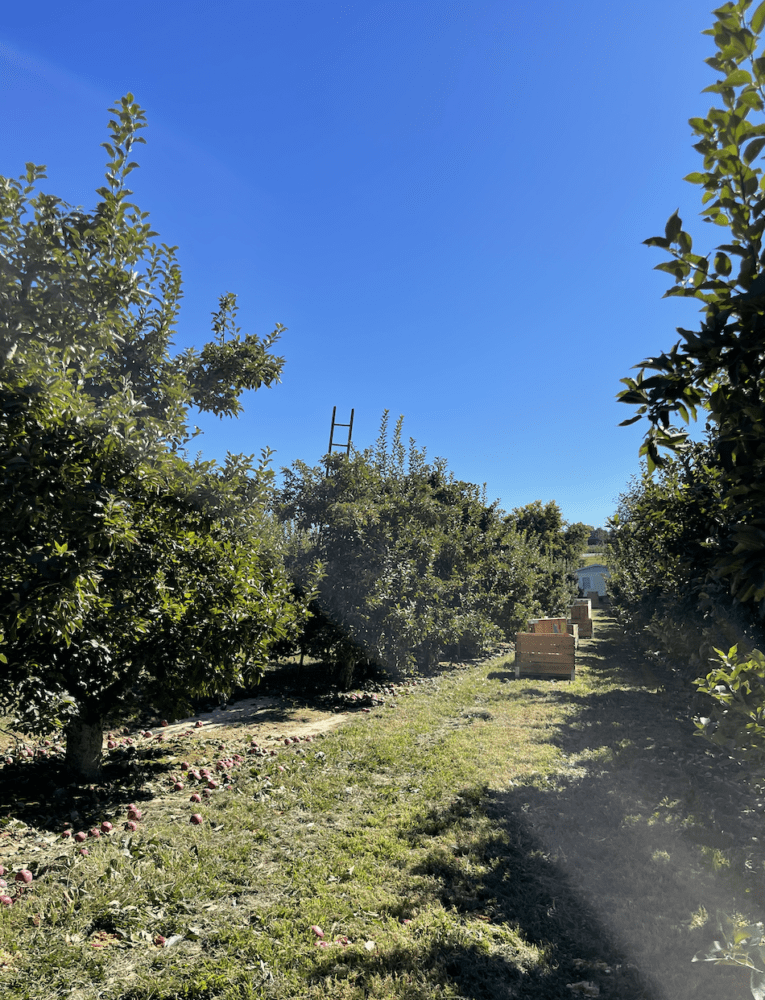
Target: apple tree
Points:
(414, 564)
(129, 576)
(720, 368)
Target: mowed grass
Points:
(480, 837)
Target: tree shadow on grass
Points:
(524, 932)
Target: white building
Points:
(593, 577)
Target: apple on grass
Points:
(80, 836)
(5, 900)
(24, 876)
(196, 819)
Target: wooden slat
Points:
(543, 626)
(529, 641)
(558, 670)
(562, 658)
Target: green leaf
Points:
(696, 178)
(757, 19)
(701, 126)
(737, 78)
(657, 241)
(722, 264)
(753, 150)
(673, 226)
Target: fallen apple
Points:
(131, 826)
(24, 876)
(80, 836)
(106, 826)
(159, 940)
(178, 786)
(196, 797)
(317, 930)
(196, 819)
(133, 812)
(95, 832)
(5, 900)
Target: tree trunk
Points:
(344, 670)
(84, 744)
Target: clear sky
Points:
(444, 202)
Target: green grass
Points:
(590, 560)
(479, 837)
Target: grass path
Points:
(479, 837)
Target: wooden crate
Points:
(581, 608)
(548, 654)
(580, 613)
(551, 626)
(573, 629)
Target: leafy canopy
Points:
(721, 367)
(127, 574)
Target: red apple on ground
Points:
(84, 851)
(131, 826)
(106, 826)
(159, 940)
(196, 797)
(178, 786)
(24, 876)
(134, 812)
(164, 722)
(95, 832)
(79, 837)
(317, 930)
(196, 819)
(5, 900)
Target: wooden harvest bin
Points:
(552, 626)
(548, 654)
(581, 615)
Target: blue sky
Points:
(443, 202)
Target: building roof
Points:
(594, 568)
